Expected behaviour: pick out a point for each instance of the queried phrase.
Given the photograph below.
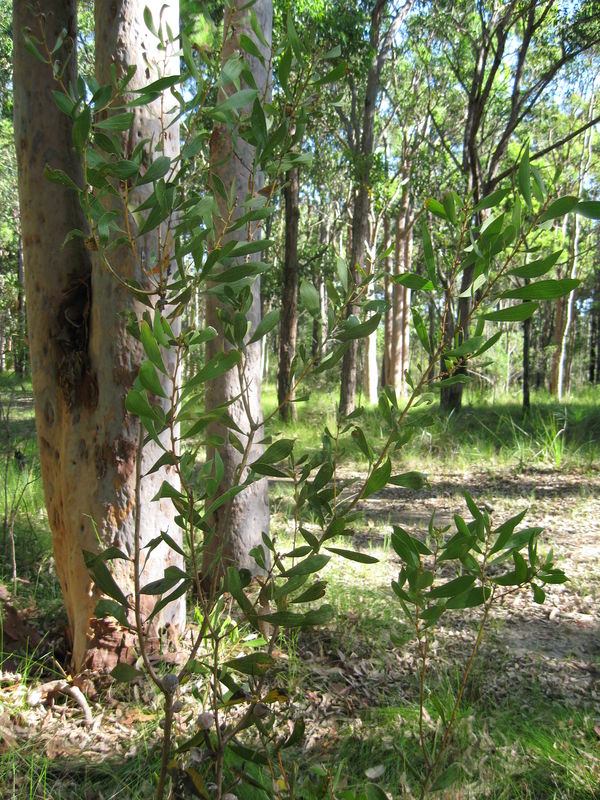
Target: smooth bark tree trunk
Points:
(21, 334)
(594, 351)
(526, 362)
(289, 299)
(401, 301)
(238, 526)
(361, 203)
(82, 360)
(388, 293)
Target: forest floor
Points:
(529, 723)
(354, 688)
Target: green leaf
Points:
(309, 297)
(559, 208)
(342, 271)
(409, 480)
(524, 177)
(421, 330)
(110, 608)
(294, 40)
(436, 208)
(319, 616)
(259, 124)
(428, 254)
(276, 452)
(118, 122)
(311, 564)
(413, 281)
(314, 592)
(543, 290)
(125, 673)
(81, 129)
(237, 101)
(476, 596)
(60, 177)
(539, 595)
(378, 479)
(149, 379)
(151, 347)
(137, 403)
(218, 365)
(589, 209)
(103, 579)
(536, 269)
(158, 169)
(283, 68)
(516, 313)
(491, 200)
(353, 555)
(296, 735)
(334, 75)
(159, 85)
(454, 587)
(250, 46)
(267, 323)
(252, 664)
(64, 102)
(359, 330)
(148, 21)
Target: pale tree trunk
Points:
(83, 362)
(369, 345)
(289, 299)
(584, 164)
(401, 296)
(568, 314)
(388, 293)
(238, 526)
(361, 204)
(21, 333)
(526, 363)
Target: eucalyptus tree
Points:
(504, 57)
(83, 359)
(239, 525)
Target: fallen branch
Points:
(37, 695)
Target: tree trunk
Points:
(289, 299)
(594, 353)
(238, 526)
(361, 205)
(388, 293)
(401, 300)
(526, 362)
(82, 360)
(21, 334)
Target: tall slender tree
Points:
(82, 358)
(238, 525)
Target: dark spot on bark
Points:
(71, 333)
(125, 452)
(100, 462)
(83, 451)
(49, 413)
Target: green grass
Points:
(481, 434)
(521, 747)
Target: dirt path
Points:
(559, 640)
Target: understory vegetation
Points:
(528, 725)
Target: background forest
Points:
(310, 323)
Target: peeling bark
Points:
(82, 360)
